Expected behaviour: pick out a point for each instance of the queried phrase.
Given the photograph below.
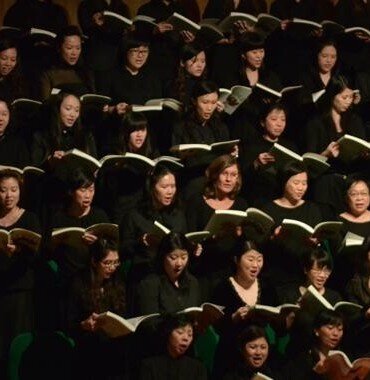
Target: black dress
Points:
(70, 260)
(101, 48)
(17, 290)
(164, 367)
(138, 222)
(13, 151)
(283, 256)
(260, 185)
(93, 350)
(329, 188)
(192, 131)
(156, 294)
(226, 295)
(301, 330)
(134, 89)
(216, 261)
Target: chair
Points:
(41, 356)
(205, 347)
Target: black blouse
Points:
(157, 294)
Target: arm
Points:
(147, 296)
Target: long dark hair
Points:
(189, 51)
(171, 242)
(131, 122)
(55, 130)
(15, 77)
(191, 118)
(337, 84)
(114, 291)
(80, 67)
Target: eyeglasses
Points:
(139, 51)
(361, 194)
(324, 271)
(111, 264)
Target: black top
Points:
(261, 184)
(307, 212)
(41, 148)
(134, 89)
(283, 255)
(81, 305)
(300, 367)
(301, 332)
(156, 294)
(320, 132)
(164, 368)
(16, 271)
(226, 295)
(216, 256)
(219, 8)
(70, 259)
(13, 151)
(141, 221)
(362, 229)
(242, 372)
(36, 14)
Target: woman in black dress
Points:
(239, 293)
(17, 264)
(192, 69)
(258, 163)
(358, 291)
(98, 289)
(120, 188)
(284, 252)
(223, 183)
(321, 136)
(12, 81)
(200, 125)
(357, 217)
(69, 70)
(326, 335)
(317, 268)
(172, 288)
(63, 132)
(77, 211)
(253, 350)
(160, 204)
(177, 336)
(13, 150)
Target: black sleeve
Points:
(147, 296)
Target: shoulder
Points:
(30, 221)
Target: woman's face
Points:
(254, 58)
(296, 187)
(179, 340)
(227, 180)
(206, 105)
(343, 100)
(358, 198)
(9, 193)
(71, 49)
(137, 139)
(69, 110)
(8, 60)
(274, 123)
(83, 196)
(106, 267)
(196, 65)
(175, 263)
(329, 336)
(250, 264)
(327, 58)
(317, 276)
(165, 190)
(256, 352)
(137, 57)
(4, 117)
